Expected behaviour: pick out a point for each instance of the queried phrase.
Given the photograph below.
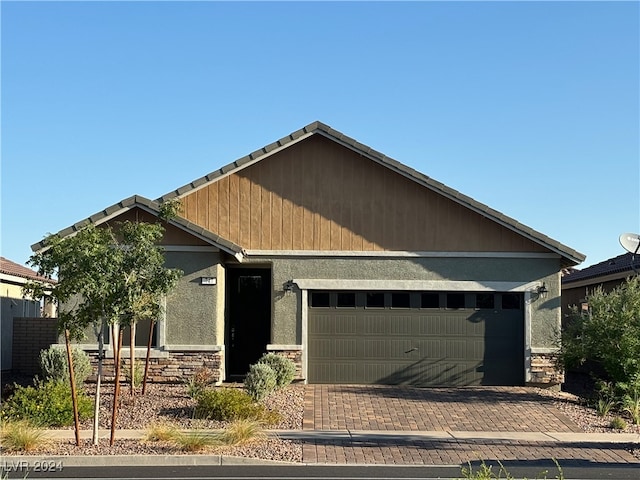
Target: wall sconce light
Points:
(288, 286)
(542, 291)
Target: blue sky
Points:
(529, 107)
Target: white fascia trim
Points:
(414, 285)
(13, 278)
(191, 248)
(278, 347)
(395, 254)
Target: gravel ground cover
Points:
(169, 403)
(577, 409)
(165, 403)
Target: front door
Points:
(249, 320)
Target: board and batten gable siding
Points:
(320, 195)
(172, 235)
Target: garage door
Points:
(416, 338)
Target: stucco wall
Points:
(191, 317)
(545, 313)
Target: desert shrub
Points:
(241, 432)
(196, 440)
(201, 379)
(138, 374)
(630, 398)
(606, 399)
(161, 432)
(55, 366)
(260, 381)
(22, 436)
(46, 404)
(283, 367)
(618, 423)
(225, 404)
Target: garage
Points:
(416, 338)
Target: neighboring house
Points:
(13, 277)
(578, 284)
(356, 266)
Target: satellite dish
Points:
(630, 242)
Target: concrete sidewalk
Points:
(396, 435)
(386, 435)
(411, 447)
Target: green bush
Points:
(229, 404)
(283, 367)
(55, 366)
(260, 381)
(46, 404)
(608, 335)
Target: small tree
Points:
(142, 282)
(84, 291)
(608, 334)
(105, 276)
(145, 279)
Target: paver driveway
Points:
(377, 407)
(358, 409)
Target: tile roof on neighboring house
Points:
(8, 267)
(570, 256)
(617, 265)
(136, 201)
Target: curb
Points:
(59, 462)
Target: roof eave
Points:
(153, 208)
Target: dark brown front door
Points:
(249, 320)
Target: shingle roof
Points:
(619, 264)
(12, 268)
(153, 208)
(570, 256)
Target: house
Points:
(359, 268)
(578, 284)
(13, 277)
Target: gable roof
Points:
(569, 255)
(619, 266)
(136, 201)
(14, 269)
